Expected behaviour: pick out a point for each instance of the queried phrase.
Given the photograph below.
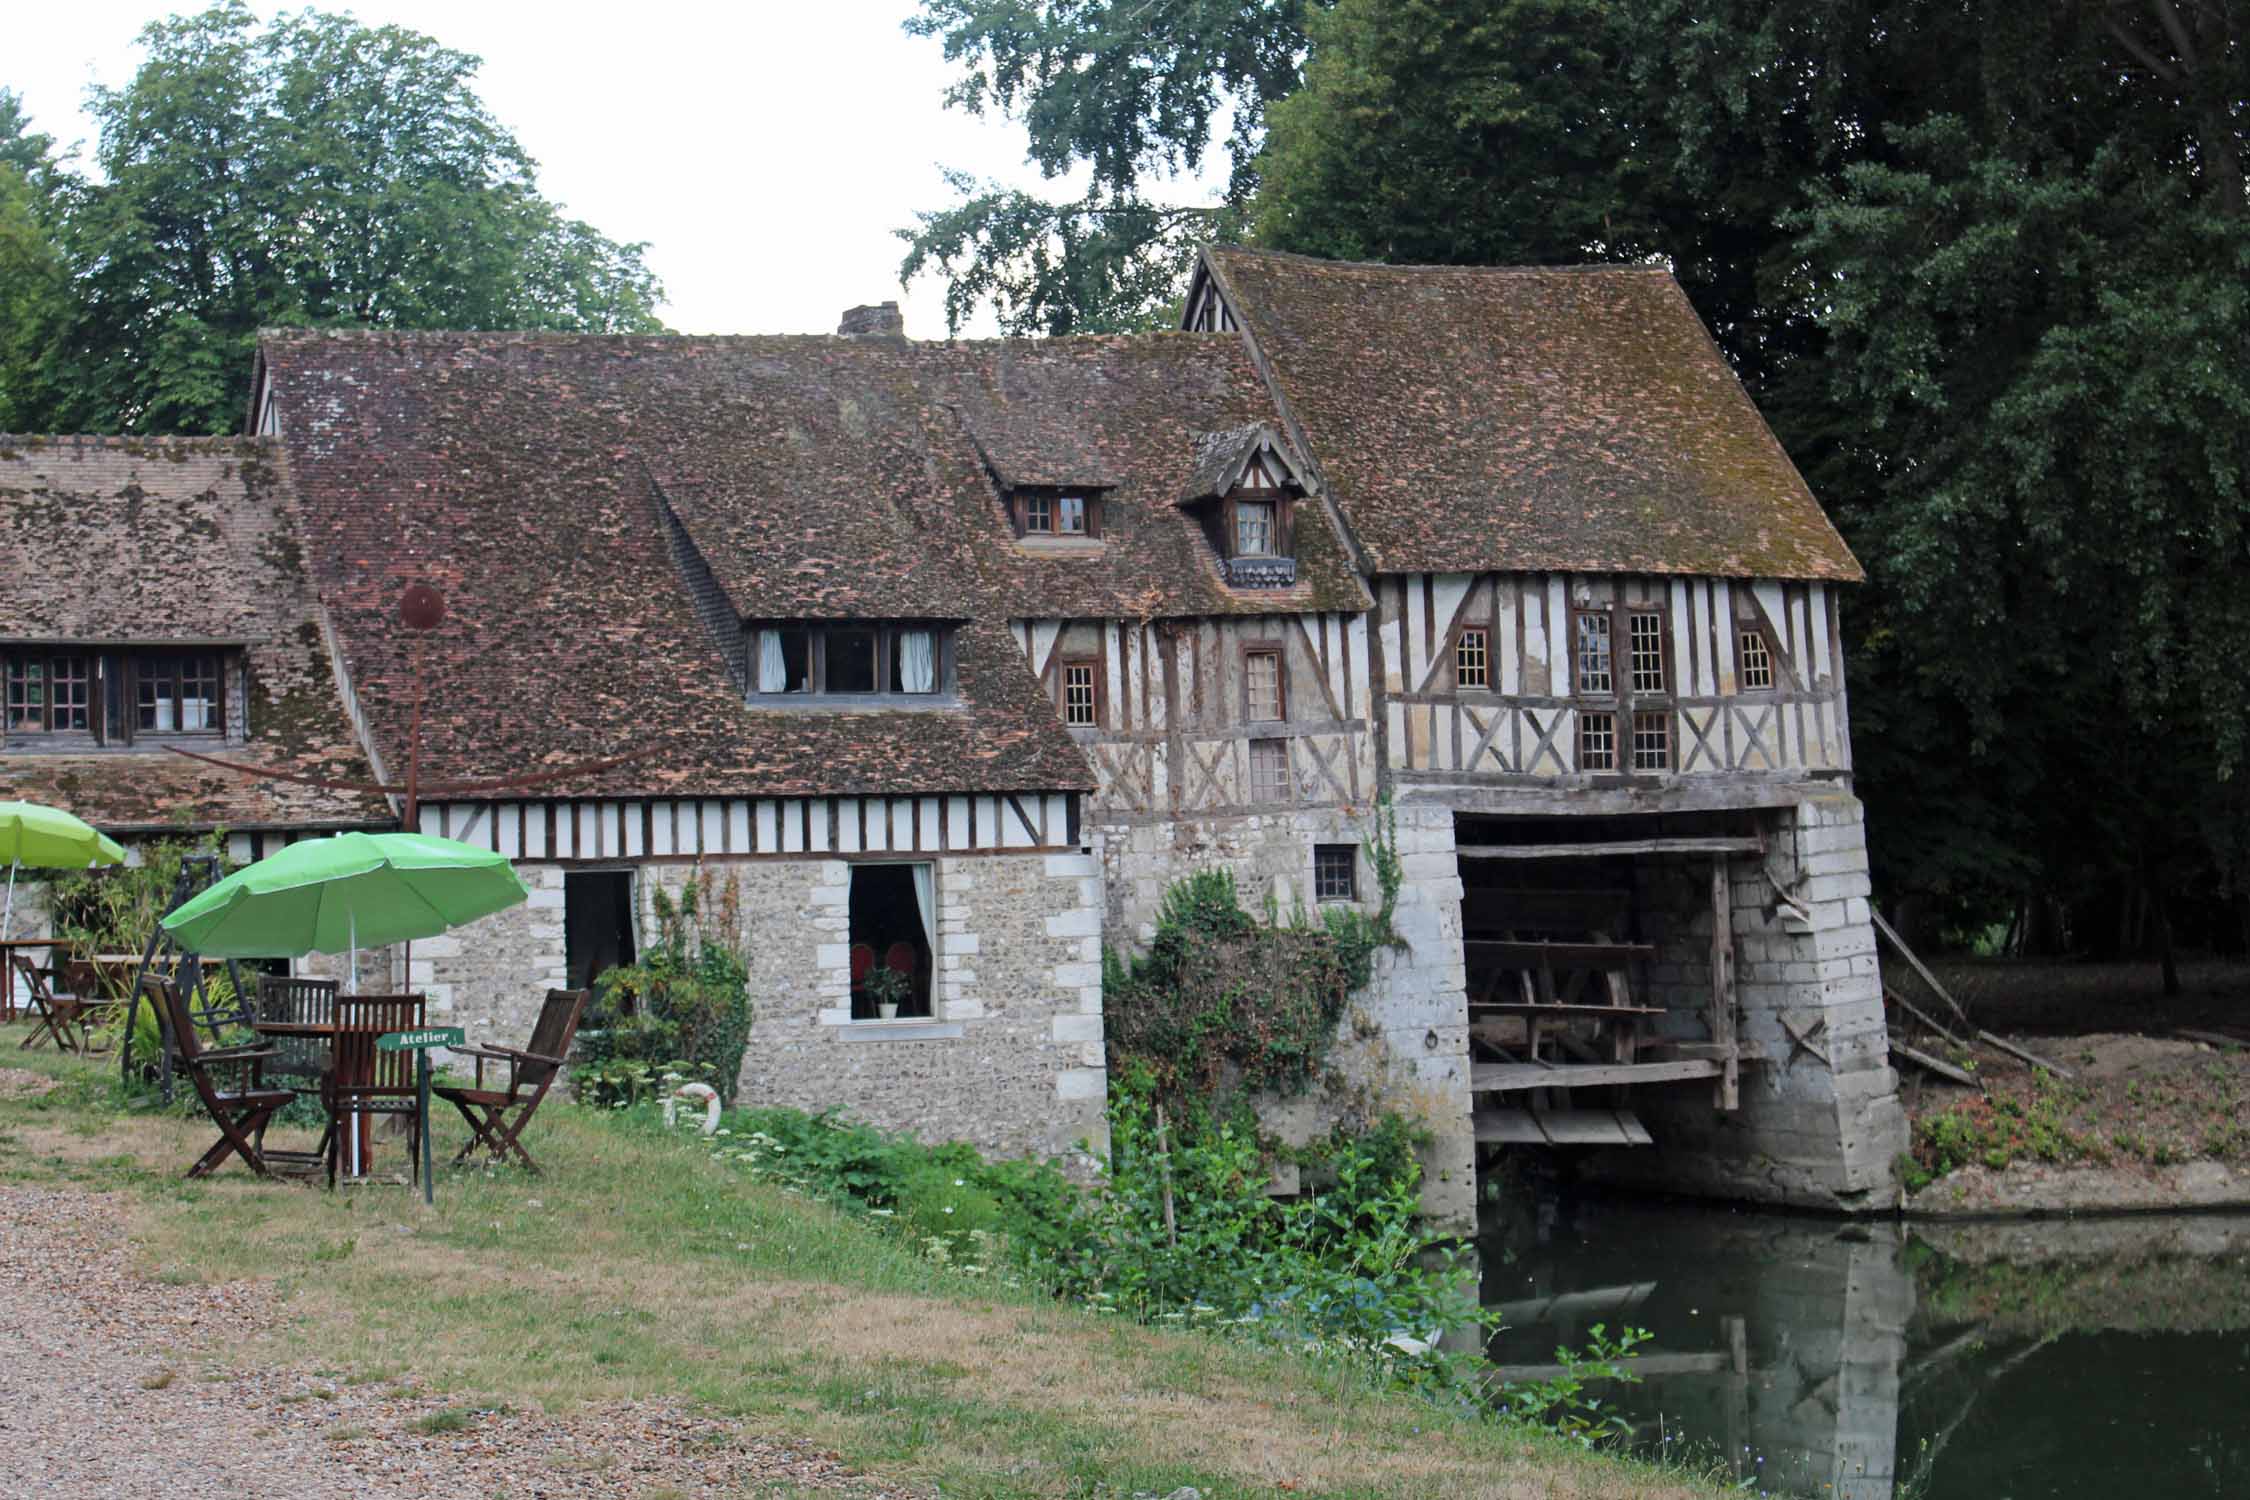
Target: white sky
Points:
(765, 151)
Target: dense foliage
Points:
(681, 1008)
(1223, 1005)
(311, 172)
(1987, 271)
(1181, 1227)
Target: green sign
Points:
(416, 1041)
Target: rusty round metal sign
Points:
(421, 607)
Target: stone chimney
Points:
(881, 319)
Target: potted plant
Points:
(887, 987)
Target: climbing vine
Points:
(1223, 1003)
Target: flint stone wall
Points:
(1011, 1060)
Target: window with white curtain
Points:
(847, 660)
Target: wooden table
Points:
(360, 1145)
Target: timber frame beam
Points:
(1719, 846)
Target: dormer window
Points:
(813, 662)
(60, 697)
(1256, 528)
(1060, 513)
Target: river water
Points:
(2022, 1361)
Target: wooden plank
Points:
(1943, 1069)
(1604, 848)
(1515, 954)
(1643, 1365)
(1744, 1051)
(1923, 1016)
(2017, 1052)
(1559, 1127)
(1917, 965)
(1501, 1078)
(1513, 1008)
(1729, 1092)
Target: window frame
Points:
(1756, 628)
(1254, 649)
(109, 687)
(1606, 719)
(1275, 793)
(1461, 645)
(1092, 666)
(1282, 537)
(1625, 700)
(1349, 853)
(1050, 500)
(816, 690)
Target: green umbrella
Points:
(344, 892)
(47, 838)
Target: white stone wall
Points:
(1403, 1041)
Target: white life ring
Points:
(702, 1091)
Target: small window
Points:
(1335, 872)
(1070, 515)
(1269, 771)
(1757, 662)
(1594, 671)
(1261, 685)
(1039, 514)
(1652, 740)
(1472, 658)
(1597, 742)
(1254, 528)
(1646, 634)
(1081, 698)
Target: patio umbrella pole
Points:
(8, 915)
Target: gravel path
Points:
(105, 1391)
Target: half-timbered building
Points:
(954, 655)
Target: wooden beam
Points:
(1728, 1095)
(1606, 847)
(2030, 1057)
(1744, 1052)
(1517, 955)
(1943, 1069)
(1917, 966)
(1923, 1016)
(1501, 1078)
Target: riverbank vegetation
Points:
(640, 1267)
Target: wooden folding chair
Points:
(241, 1114)
(365, 1080)
(497, 1117)
(53, 1017)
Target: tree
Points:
(1128, 92)
(34, 282)
(1985, 269)
(314, 172)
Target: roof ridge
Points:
(126, 442)
(846, 340)
(1574, 268)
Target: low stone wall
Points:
(1403, 1042)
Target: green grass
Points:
(647, 1270)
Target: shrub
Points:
(683, 1007)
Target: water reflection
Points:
(1823, 1359)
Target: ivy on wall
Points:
(1223, 1003)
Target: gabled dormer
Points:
(1244, 492)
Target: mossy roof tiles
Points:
(1570, 418)
(112, 541)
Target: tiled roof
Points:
(139, 540)
(1220, 458)
(521, 475)
(1576, 418)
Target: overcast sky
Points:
(765, 151)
